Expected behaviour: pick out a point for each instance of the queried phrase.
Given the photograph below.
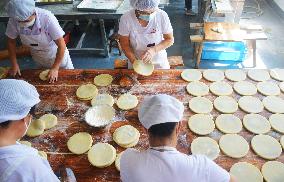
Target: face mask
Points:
(27, 24)
(145, 17)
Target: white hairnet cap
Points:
(159, 109)
(144, 4)
(20, 10)
(17, 98)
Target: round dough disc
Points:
(200, 105)
(44, 75)
(49, 120)
(277, 74)
(127, 102)
(221, 88)
(266, 147)
(142, 68)
(117, 161)
(282, 141)
(132, 144)
(42, 154)
(99, 115)
(228, 123)
(258, 75)
(125, 135)
(102, 99)
(213, 75)
(27, 143)
(234, 145)
(273, 171)
(277, 122)
(281, 85)
(87, 92)
(80, 143)
(191, 75)
(201, 124)
(268, 88)
(256, 124)
(205, 146)
(103, 80)
(245, 88)
(225, 104)
(246, 172)
(235, 75)
(250, 104)
(102, 155)
(197, 88)
(273, 104)
(36, 128)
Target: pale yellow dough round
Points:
(277, 122)
(256, 124)
(281, 85)
(27, 143)
(44, 75)
(246, 172)
(80, 143)
(228, 123)
(191, 75)
(258, 75)
(201, 124)
(99, 115)
(234, 145)
(213, 75)
(221, 88)
(36, 128)
(145, 69)
(235, 75)
(102, 155)
(268, 88)
(282, 141)
(102, 99)
(3, 72)
(87, 92)
(49, 120)
(125, 135)
(277, 74)
(266, 147)
(42, 154)
(250, 104)
(205, 146)
(226, 104)
(200, 105)
(117, 161)
(197, 88)
(127, 102)
(273, 104)
(273, 171)
(245, 88)
(103, 80)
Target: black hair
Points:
(162, 130)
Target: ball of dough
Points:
(273, 171)
(191, 75)
(103, 80)
(245, 88)
(200, 105)
(201, 124)
(205, 146)
(277, 74)
(102, 99)
(102, 155)
(228, 123)
(36, 128)
(235, 75)
(49, 120)
(258, 75)
(226, 104)
(127, 102)
(213, 75)
(87, 92)
(277, 122)
(273, 104)
(221, 88)
(126, 135)
(250, 104)
(234, 145)
(246, 172)
(145, 69)
(100, 115)
(80, 143)
(44, 75)
(268, 88)
(117, 161)
(256, 124)
(197, 88)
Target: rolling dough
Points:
(277, 74)
(281, 85)
(80, 143)
(142, 68)
(44, 75)
(36, 128)
(201, 124)
(191, 75)
(49, 120)
(258, 75)
(99, 115)
(42, 154)
(102, 99)
(234, 145)
(200, 105)
(87, 92)
(273, 171)
(117, 161)
(221, 88)
(127, 102)
(246, 172)
(245, 88)
(228, 123)
(250, 104)
(266, 147)
(197, 88)
(29, 144)
(205, 146)
(277, 122)
(268, 88)
(235, 75)
(256, 124)
(213, 75)
(102, 155)
(282, 141)
(125, 135)
(273, 104)
(225, 104)
(103, 80)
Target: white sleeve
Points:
(11, 30)
(124, 29)
(166, 24)
(216, 173)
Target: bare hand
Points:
(148, 55)
(15, 70)
(53, 75)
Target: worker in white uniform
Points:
(40, 31)
(160, 115)
(145, 33)
(19, 163)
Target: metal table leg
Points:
(104, 37)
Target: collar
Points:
(163, 148)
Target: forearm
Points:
(164, 45)
(59, 55)
(11, 45)
(127, 49)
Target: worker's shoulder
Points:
(162, 13)
(45, 14)
(127, 15)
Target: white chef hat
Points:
(20, 10)
(144, 4)
(159, 109)
(17, 97)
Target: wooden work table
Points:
(60, 99)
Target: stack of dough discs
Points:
(197, 88)
(234, 145)
(245, 88)
(103, 80)
(44, 75)
(256, 124)
(277, 122)
(277, 74)
(117, 161)
(29, 144)
(273, 171)
(225, 104)
(87, 92)
(42, 154)
(127, 102)
(268, 88)
(145, 69)
(36, 128)
(99, 115)
(235, 75)
(200, 105)
(282, 141)
(205, 146)
(102, 99)
(221, 88)
(266, 146)
(126, 136)
(273, 104)
(213, 75)
(191, 75)
(281, 85)
(102, 155)
(250, 104)
(246, 172)
(201, 124)
(49, 120)
(80, 143)
(258, 75)
(228, 123)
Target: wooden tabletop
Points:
(60, 99)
